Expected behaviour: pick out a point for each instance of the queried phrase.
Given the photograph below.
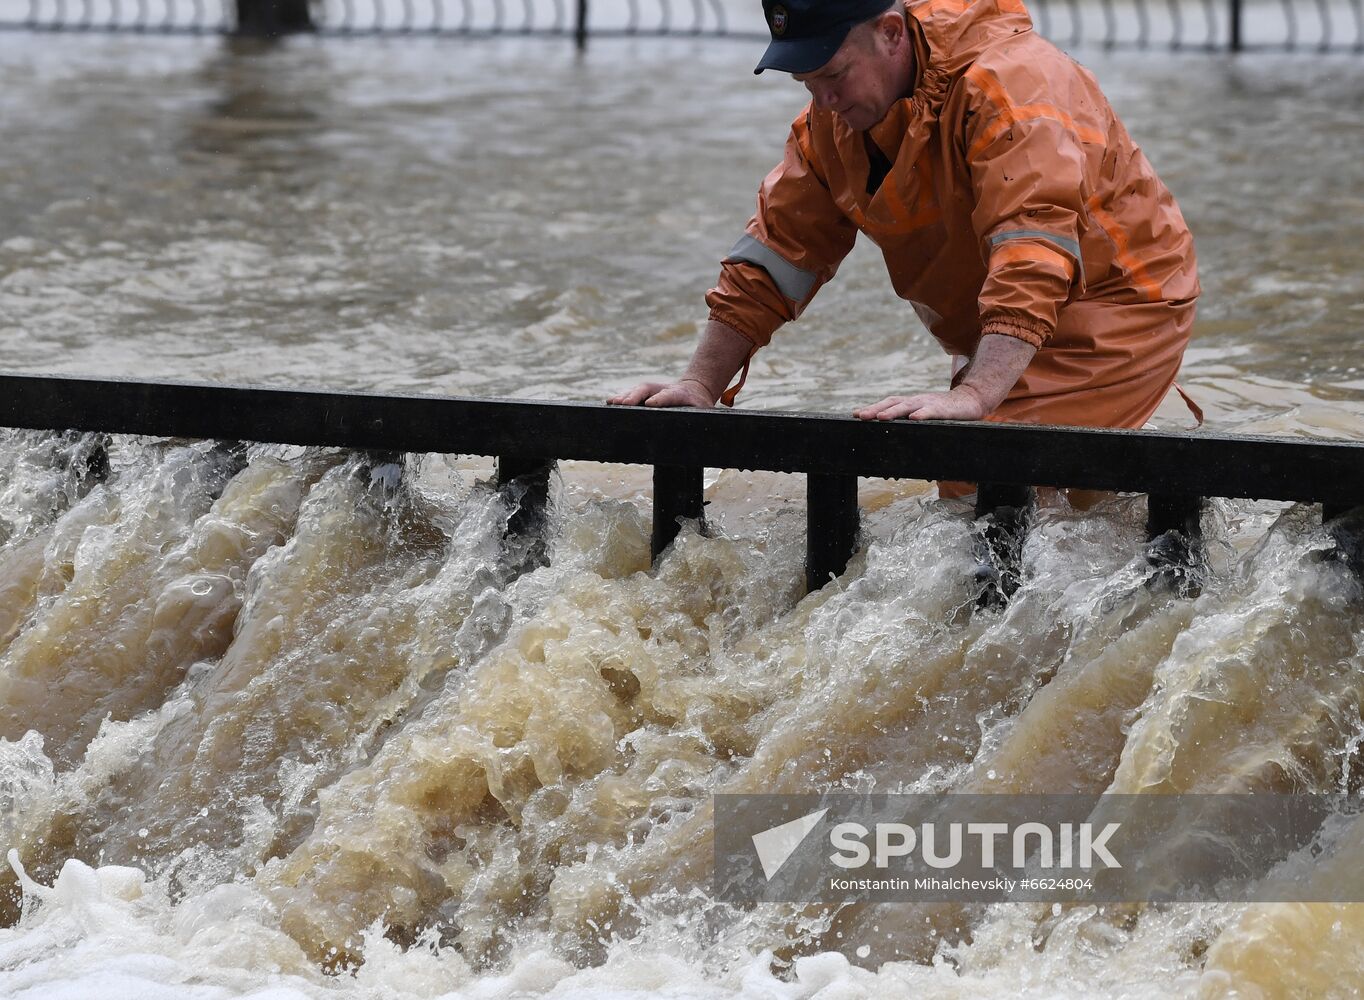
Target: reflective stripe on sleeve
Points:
(1040, 253)
(1070, 246)
(791, 281)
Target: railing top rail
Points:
(1137, 461)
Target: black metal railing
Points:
(1177, 471)
(1190, 25)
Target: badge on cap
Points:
(779, 20)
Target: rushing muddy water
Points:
(266, 712)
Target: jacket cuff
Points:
(738, 324)
(1028, 330)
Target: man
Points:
(1013, 211)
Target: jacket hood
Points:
(953, 33)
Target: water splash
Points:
(318, 721)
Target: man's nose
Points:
(825, 97)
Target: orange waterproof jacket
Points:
(1014, 203)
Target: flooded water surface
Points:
(278, 722)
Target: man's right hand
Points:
(684, 392)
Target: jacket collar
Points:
(947, 36)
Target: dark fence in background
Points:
(1194, 25)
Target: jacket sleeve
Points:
(791, 246)
(1028, 173)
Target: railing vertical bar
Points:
(1043, 16)
(832, 524)
(1210, 38)
(526, 476)
(1168, 512)
(1110, 25)
(1344, 522)
(1291, 19)
(1174, 532)
(1076, 22)
(1003, 513)
(1324, 14)
(679, 492)
(720, 23)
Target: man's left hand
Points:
(961, 403)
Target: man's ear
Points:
(891, 26)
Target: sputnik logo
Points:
(776, 845)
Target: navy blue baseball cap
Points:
(807, 33)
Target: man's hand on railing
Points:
(684, 392)
(721, 352)
(977, 390)
(962, 403)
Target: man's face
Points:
(861, 81)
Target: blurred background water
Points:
(508, 219)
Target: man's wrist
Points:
(982, 399)
(711, 394)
